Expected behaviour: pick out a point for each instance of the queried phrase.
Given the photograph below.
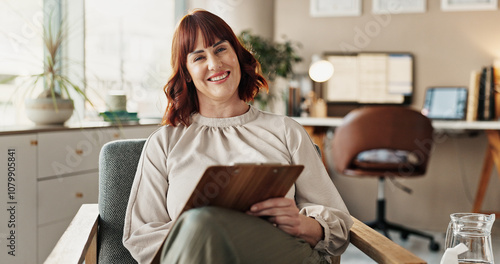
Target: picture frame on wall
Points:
(398, 6)
(335, 8)
(469, 5)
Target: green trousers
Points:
(216, 235)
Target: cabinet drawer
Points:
(48, 236)
(60, 198)
(60, 153)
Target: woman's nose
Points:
(214, 63)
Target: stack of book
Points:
(484, 97)
(119, 116)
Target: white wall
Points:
(257, 15)
(446, 46)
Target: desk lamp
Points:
(321, 70)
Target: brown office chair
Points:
(384, 142)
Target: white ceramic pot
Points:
(42, 110)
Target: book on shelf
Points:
(491, 88)
(496, 74)
(481, 95)
(472, 100)
(294, 101)
(486, 95)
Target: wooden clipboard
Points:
(240, 186)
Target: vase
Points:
(42, 111)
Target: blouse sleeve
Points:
(147, 221)
(316, 195)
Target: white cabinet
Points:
(67, 152)
(48, 235)
(59, 198)
(58, 201)
(52, 174)
(18, 199)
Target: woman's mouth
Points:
(219, 77)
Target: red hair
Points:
(182, 95)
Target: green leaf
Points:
(8, 79)
(276, 59)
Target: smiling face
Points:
(215, 72)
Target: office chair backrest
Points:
(118, 162)
(388, 128)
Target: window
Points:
(21, 51)
(127, 49)
(125, 46)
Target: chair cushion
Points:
(117, 166)
(385, 159)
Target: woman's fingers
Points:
(272, 203)
(284, 220)
(290, 225)
(282, 212)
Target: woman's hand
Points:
(283, 213)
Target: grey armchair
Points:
(95, 234)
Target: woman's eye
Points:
(197, 58)
(220, 49)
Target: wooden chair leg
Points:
(483, 181)
(91, 256)
(491, 159)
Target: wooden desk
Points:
(317, 127)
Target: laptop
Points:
(445, 103)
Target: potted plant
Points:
(54, 105)
(276, 60)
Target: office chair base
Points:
(382, 224)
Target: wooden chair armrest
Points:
(79, 241)
(380, 248)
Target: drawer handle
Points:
(34, 142)
(79, 151)
(116, 135)
(79, 195)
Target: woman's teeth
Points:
(220, 77)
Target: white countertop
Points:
(437, 124)
(8, 130)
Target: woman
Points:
(208, 122)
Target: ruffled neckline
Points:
(248, 116)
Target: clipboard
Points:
(240, 186)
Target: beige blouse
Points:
(174, 158)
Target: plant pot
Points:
(42, 110)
